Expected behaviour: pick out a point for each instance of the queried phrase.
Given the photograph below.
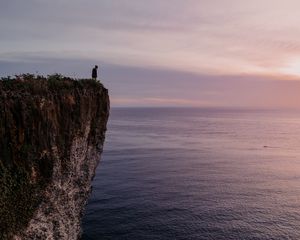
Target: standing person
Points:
(94, 73)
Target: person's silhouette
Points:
(94, 72)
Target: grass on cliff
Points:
(38, 84)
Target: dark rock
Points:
(51, 138)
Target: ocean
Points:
(187, 173)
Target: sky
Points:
(199, 53)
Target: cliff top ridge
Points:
(38, 84)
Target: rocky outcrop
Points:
(52, 132)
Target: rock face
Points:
(51, 138)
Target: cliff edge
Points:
(52, 132)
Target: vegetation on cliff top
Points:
(39, 84)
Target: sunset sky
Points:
(202, 53)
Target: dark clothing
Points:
(94, 73)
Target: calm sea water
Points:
(197, 174)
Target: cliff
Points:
(52, 132)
